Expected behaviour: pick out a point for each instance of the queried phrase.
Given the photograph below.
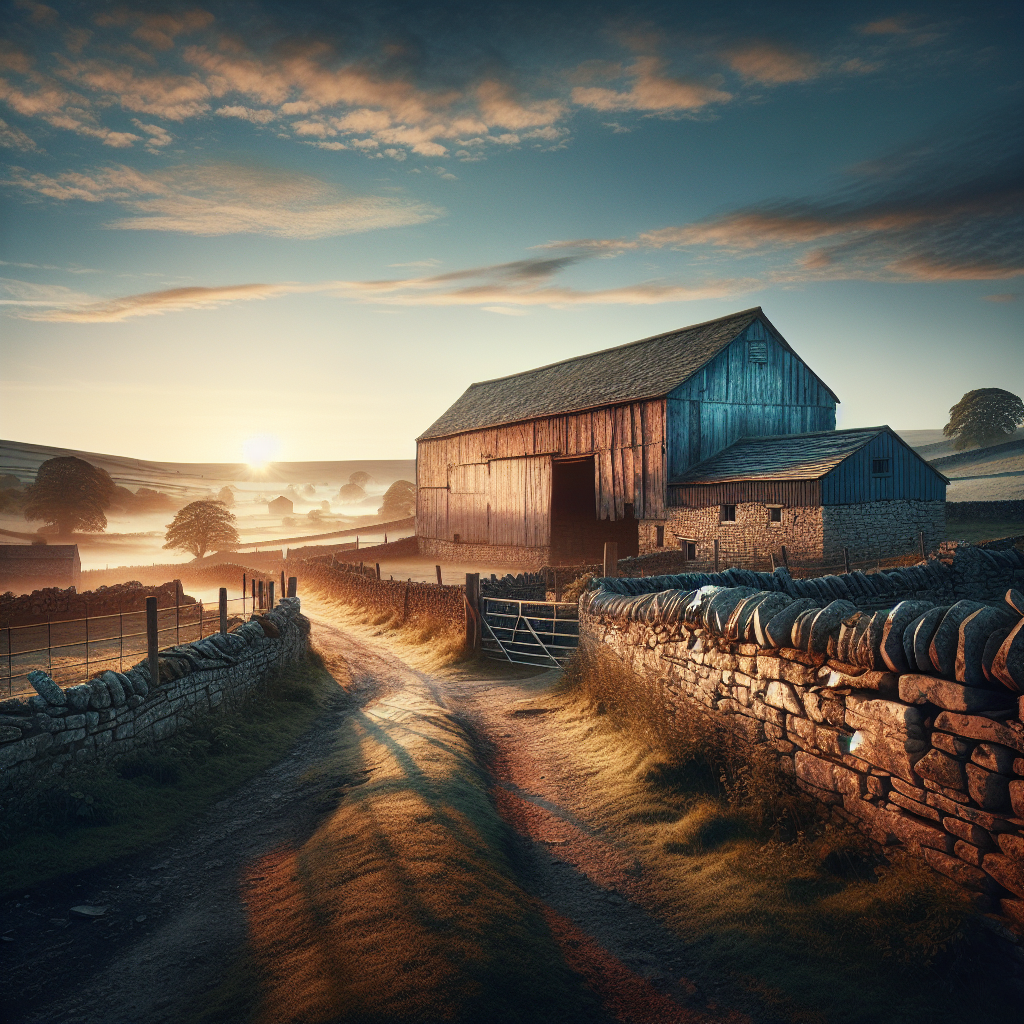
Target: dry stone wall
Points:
(59, 605)
(58, 729)
(904, 722)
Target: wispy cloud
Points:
(15, 138)
(652, 90)
(219, 199)
(771, 64)
(947, 208)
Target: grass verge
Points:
(810, 920)
(404, 904)
(108, 810)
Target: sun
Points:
(260, 449)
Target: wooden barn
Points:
(546, 465)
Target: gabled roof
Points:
(787, 456)
(649, 368)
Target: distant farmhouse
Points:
(716, 431)
(39, 565)
(280, 506)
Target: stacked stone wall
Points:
(904, 722)
(498, 554)
(1012, 511)
(801, 530)
(403, 598)
(60, 605)
(880, 528)
(59, 729)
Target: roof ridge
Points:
(616, 348)
(809, 433)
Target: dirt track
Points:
(176, 923)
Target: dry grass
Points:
(404, 904)
(806, 916)
(425, 642)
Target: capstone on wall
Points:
(59, 729)
(904, 723)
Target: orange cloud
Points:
(651, 90)
(771, 64)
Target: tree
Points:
(399, 500)
(351, 493)
(359, 478)
(71, 495)
(984, 417)
(200, 526)
(226, 495)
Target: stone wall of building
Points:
(801, 530)
(904, 723)
(57, 729)
(498, 554)
(880, 528)
(868, 530)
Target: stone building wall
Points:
(920, 746)
(498, 554)
(58, 729)
(868, 530)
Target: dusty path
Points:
(591, 887)
(176, 924)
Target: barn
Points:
(543, 467)
(31, 566)
(280, 506)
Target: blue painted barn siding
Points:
(733, 397)
(909, 477)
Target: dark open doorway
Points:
(577, 535)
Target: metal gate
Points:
(543, 633)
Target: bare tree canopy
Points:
(70, 494)
(984, 417)
(399, 500)
(201, 526)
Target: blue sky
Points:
(323, 222)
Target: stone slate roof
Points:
(649, 368)
(784, 457)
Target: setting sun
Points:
(260, 449)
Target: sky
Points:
(315, 224)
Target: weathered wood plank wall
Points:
(494, 486)
(908, 476)
(735, 397)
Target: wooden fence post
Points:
(611, 558)
(785, 556)
(716, 554)
(437, 569)
(244, 589)
(771, 555)
(223, 610)
(377, 566)
(153, 641)
(293, 586)
(270, 595)
(260, 594)
(282, 583)
(473, 627)
(846, 560)
(253, 582)
(405, 606)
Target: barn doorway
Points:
(577, 535)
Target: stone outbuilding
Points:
(817, 493)
(33, 566)
(280, 506)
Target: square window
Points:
(728, 513)
(775, 515)
(879, 467)
(689, 549)
(659, 536)
(457, 538)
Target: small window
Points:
(728, 513)
(757, 351)
(775, 515)
(457, 538)
(689, 549)
(659, 536)
(879, 467)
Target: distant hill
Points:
(23, 460)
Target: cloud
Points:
(948, 208)
(158, 135)
(1002, 297)
(651, 90)
(15, 138)
(218, 199)
(885, 27)
(247, 114)
(771, 64)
